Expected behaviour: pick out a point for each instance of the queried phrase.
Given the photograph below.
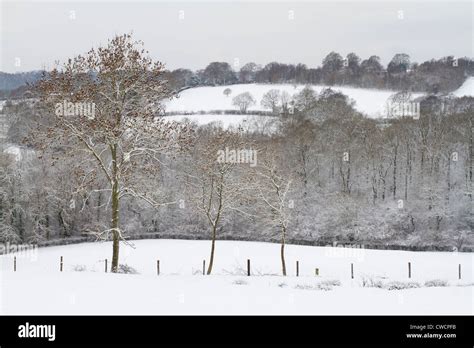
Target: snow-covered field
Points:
(369, 101)
(467, 88)
(39, 288)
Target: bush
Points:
(397, 285)
(79, 268)
(126, 269)
(368, 282)
(240, 282)
(333, 282)
(436, 283)
(324, 285)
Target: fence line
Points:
(158, 270)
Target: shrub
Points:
(397, 285)
(79, 268)
(240, 282)
(333, 282)
(126, 269)
(436, 283)
(324, 285)
(368, 282)
(227, 92)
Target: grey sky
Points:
(38, 33)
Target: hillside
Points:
(467, 88)
(368, 101)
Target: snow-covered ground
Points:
(467, 88)
(39, 288)
(369, 101)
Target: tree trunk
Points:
(282, 251)
(213, 248)
(115, 213)
(115, 228)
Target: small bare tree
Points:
(227, 92)
(243, 101)
(104, 105)
(217, 184)
(271, 100)
(274, 184)
(286, 102)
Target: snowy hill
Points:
(369, 101)
(467, 88)
(37, 287)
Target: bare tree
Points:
(227, 92)
(306, 98)
(274, 185)
(243, 101)
(271, 100)
(214, 186)
(121, 88)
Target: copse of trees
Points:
(341, 178)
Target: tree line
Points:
(433, 76)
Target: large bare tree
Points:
(104, 105)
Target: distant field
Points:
(369, 101)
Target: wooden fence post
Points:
(248, 267)
(459, 271)
(203, 267)
(158, 267)
(14, 264)
(297, 268)
(105, 265)
(316, 271)
(61, 264)
(409, 269)
(352, 271)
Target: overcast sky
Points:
(36, 33)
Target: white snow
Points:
(39, 288)
(15, 151)
(467, 88)
(369, 101)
